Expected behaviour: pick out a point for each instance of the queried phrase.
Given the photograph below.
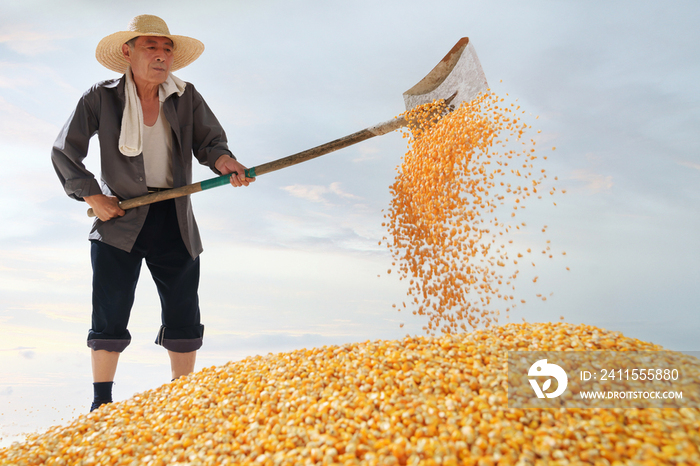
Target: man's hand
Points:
(226, 165)
(104, 207)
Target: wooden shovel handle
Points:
(376, 130)
(323, 149)
(172, 193)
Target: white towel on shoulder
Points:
(131, 135)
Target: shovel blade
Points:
(458, 76)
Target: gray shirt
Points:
(195, 130)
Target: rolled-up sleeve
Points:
(71, 148)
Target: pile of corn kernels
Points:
(417, 401)
(466, 178)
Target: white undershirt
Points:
(157, 149)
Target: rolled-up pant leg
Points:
(176, 276)
(115, 274)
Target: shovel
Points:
(457, 78)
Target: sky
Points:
(293, 261)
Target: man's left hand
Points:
(228, 165)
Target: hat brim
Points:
(109, 50)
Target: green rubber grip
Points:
(215, 182)
(223, 180)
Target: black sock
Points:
(103, 394)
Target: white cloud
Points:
(18, 125)
(21, 39)
(335, 189)
(595, 182)
(367, 152)
(313, 193)
(33, 77)
(689, 164)
(316, 193)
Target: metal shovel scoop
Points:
(457, 78)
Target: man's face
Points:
(150, 59)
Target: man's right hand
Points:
(104, 207)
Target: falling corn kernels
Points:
(415, 401)
(441, 221)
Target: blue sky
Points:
(293, 261)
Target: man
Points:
(149, 124)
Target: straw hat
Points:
(109, 50)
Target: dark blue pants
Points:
(176, 274)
